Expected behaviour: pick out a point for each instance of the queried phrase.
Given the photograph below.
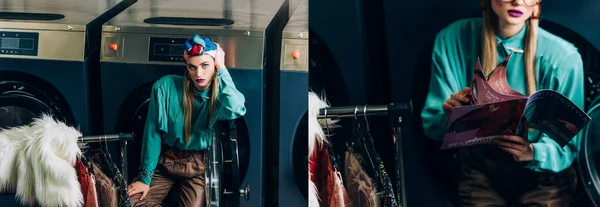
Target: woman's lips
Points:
(515, 13)
(200, 80)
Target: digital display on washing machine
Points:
(19, 43)
(166, 49)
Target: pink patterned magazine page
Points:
(479, 124)
(498, 81)
(484, 93)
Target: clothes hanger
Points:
(358, 133)
(368, 142)
(332, 153)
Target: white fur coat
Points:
(316, 137)
(37, 163)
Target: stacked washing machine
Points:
(293, 102)
(145, 43)
(46, 48)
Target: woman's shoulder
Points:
(168, 81)
(460, 29)
(553, 47)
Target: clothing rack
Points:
(107, 138)
(396, 112)
(122, 137)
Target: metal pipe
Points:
(360, 110)
(106, 137)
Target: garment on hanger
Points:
(365, 152)
(92, 199)
(110, 170)
(360, 186)
(88, 188)
(37, 163)
(328, 181)
(106, 191)
(388, 197)
(84, 179)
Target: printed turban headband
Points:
(199, 46)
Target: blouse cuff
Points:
(539, 156)
(146, 177)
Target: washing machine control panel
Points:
(166, 49)
(19, 43)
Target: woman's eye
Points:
(204, 65)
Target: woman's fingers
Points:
(447, 107)
(453, 102)
(144, 193)
(511, 145)
(133, 191)
(516, 139)
(460, 97)
(512, 151)
(465, 91)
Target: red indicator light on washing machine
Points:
(295, 54)
(113, 46)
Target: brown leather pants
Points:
(186, 173)
(491, 177)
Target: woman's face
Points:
(202, 70)
(515, 12)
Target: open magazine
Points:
(497, 110)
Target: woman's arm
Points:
(443, 82)
(230, 102)
(154, 129)
(547, 154)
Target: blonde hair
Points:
(188, 101)
(490, 56)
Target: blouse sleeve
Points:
(548, 155)
(154, 129)
(444, 81)
(230, 102)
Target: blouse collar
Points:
(515, 43)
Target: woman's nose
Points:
(195, 73)
(518, 2)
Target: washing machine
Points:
(589, 151)
(45, 53)
(145, 43)
(293, 102)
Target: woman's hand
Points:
(139, 187)
(456, 99)
(220, 57)
(518, 146)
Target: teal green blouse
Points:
(165, 119)
(558, 67)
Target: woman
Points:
(179, 126)
(525, 170)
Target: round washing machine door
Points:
(300, 155)
(132, 119)
(228, 160)
(589, 156)
(24, 97)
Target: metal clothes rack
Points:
(122, 137)
(396, 112)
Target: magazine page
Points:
(498, 81)
(555, 115)
(484, 93)
(479, 124)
